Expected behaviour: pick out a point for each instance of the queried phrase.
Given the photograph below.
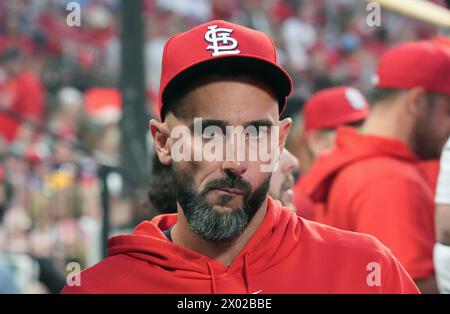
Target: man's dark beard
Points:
(208, 223)
(426, 147)
(426, 144)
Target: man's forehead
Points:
(226, 116)
(216, 95)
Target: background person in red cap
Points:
(322, 114)
(228, 236)
(372, 181)
(22, 98)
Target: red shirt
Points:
(430, 170)
(26, 94)
(287, 254)
(375, 185)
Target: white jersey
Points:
(443, 185)
(441, 256)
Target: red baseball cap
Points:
(217, 45)
(334, 106)
(103, 104)
(415, 64)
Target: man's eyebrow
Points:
(259, 123)
(210, 122)
(223, 124)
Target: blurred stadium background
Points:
(75, 160)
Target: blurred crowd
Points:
(60, 108)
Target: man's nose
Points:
(237, 168)
(236, 156)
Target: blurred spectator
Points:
(199, 10)
(23, 98)
(322, 114)
(299, 36)
(7, 284)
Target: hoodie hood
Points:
(351, 146)
(272, 242)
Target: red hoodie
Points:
(430, 168)
(287, 254)
(376, 185)
(27, 102)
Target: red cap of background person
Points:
(334, 106)
(103, 103)
(415, 64)
(221, 44)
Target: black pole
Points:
(134, 123)
(103, 172)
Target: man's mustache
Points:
(228, 182)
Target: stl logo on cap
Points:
(355, 98)
(221, 35)
(333, 107)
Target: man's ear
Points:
(160, 134)
(320, 141)
(415, 101)
(316, 143)
(312, 139)
(285, 126)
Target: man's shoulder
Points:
(100, 276)
(381, 173)
(338, 241)
(361, 257)
(380, 167)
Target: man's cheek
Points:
(255, 177)
(186, 148)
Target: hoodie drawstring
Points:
(246, 275)
(213, 279)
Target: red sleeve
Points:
(397, 280)
(396, 211)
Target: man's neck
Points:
(225, 253)
(383, 123)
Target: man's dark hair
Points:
(161, 191)
(382, 94)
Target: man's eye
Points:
(212, 132)
(257, 133)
